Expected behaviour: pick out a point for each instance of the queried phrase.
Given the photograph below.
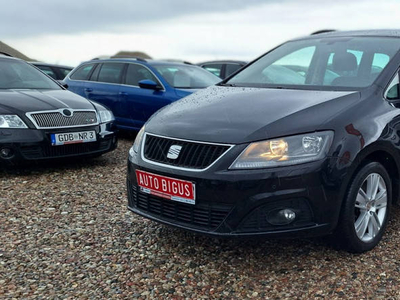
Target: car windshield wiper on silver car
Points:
(226, 84)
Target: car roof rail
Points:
(121, 57)
(130, 57)
(6, 54)
(139, 58)
(322, 31)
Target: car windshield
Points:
(187, 77)
(16, 74)
(327, 63)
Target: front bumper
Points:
(35, 144)
(241, 203)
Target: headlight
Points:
(106, 116)
(135, 148)
(11, 121)
(286, 151)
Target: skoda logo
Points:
(67, 112)
(174, 151)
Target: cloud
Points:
(209, 33)
(43, 17)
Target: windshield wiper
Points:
(227, 84)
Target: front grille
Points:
(55, 119)
(193, 155)
(202, 216)
(42, 152)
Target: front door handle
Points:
(89, 90)
(123, 93)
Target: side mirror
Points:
(149, 84)
(63, 84)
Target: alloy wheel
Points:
(370, 207)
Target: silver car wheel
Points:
(370, 207)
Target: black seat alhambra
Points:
(304, 141)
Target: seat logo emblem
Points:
(174, 151)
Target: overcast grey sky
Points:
(72, 31)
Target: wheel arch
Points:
(383, 154)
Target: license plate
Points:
(166, 187)
(58, 139)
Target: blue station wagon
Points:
(134, 88)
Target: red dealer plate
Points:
(166, 187)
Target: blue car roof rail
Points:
(128, 57)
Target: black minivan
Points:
(304, 141)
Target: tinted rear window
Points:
(82, 73)
(48, 71)
(214, 68)
(231, 68)
(64, 72)
(111, 72)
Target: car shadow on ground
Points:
(265, 250)
(43, 167)
(74, 163)
(238, 246)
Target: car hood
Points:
(180, 93)
(22, 101)
(238, 115)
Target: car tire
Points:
(365, 210)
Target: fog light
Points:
(281, 216)
(288, 214)
(6, 153)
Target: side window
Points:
(392, 92)
(342, 67)
(64, 71)
(342, 61)
(135, 73)
(83, 72)
(95, 73)
(231, 68)
(379, 63)
(111, 72)
(214, 68)
(48, 71)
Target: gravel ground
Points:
(66, 233)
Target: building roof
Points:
(13, 52)
(128, 54)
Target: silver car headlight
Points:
(136, 145)
(285, 151)
(11, 121)
(106, 116)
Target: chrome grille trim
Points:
(55, 119)
(177, 139)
